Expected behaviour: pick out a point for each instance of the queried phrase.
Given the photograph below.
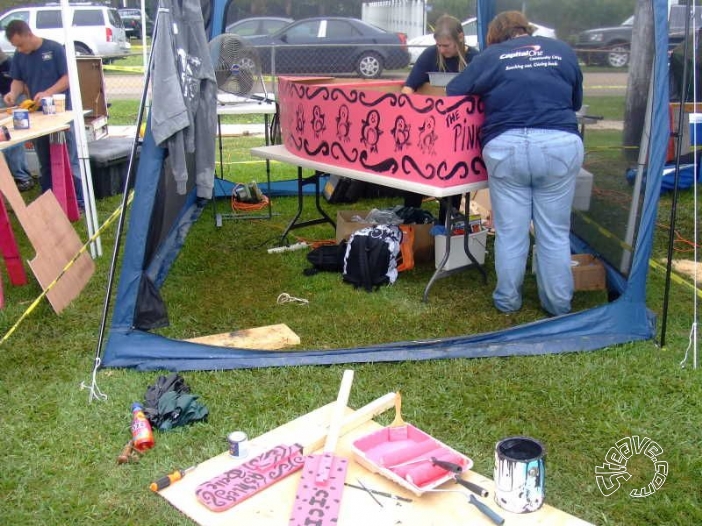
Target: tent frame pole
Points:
(123, 208)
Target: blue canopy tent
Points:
(149, 253)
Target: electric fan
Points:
(237, 65)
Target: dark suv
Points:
(610, 45)
(606, 45)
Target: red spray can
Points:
(142, 434)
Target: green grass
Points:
(60, 450)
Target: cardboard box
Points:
(588, 272)
(458, 257)
(423, 240)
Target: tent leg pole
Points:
(123, 208)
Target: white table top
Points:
(39, 125)
(282, 154)
(233, 105)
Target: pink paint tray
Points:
(404, 455)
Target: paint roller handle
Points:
(494, 517)
(448, 466)
(478, 490)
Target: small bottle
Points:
(142, 435)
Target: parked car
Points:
(470, 30)
(255, 26)
(326, 45)
(96, 29)
(132, 22)
(606, 45)
(610, 46)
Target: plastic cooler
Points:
(109, 161)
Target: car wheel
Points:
(370, 65)
(81, 49)
(618, 56)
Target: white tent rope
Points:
(95, 393)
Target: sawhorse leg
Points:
(301, 183)
(62, 178)
(10, 253)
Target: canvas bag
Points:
(371, 257)
(327, 258)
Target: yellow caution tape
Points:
(125, 69)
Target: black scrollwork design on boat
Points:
(427, 106)
(322, 149)
(409, 166)
(384, 166)
(460, 169)
(364, 98)
(349, 96)
(337, 151)
(313, 92)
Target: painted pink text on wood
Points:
(225, 490)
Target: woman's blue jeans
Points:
(531, 176)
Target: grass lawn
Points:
(60, 450)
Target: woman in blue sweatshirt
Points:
(531, 88)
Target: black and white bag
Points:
(371, 257)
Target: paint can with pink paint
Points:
(519, 474)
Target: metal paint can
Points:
(519, 474)
(20, 119)
(237, 444)
(47, 105)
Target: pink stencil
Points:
(370, 126)
(238, 484)
(317, 503)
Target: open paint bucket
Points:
(519, 474)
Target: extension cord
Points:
(296, 246)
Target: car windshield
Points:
(629, 21)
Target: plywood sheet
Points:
(55, 247)
(54, 240)
(272, 506)
(267, 338)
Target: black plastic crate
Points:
(109, 161)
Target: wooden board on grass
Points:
(272, 506)
(267, 338)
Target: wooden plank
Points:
(267, 338)
(272, 506)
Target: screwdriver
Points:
(166, 481)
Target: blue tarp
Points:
(685, 177)
(150, 251)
